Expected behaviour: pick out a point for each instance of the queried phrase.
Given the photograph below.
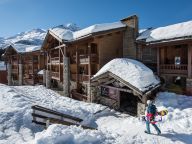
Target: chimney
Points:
(129, 37)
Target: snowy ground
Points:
(113, 127)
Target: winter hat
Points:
(149, 102)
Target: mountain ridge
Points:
(32, 37)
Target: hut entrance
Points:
(128, 103)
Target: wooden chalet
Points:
(73, 57)
(168, 51)
(24, 62)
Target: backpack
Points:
(152, 109)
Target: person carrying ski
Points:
(151, 112)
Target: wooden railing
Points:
(78, 96)
(83, 59)
(55, 75)
(174, 69)
(82, 77)
(55, 60)
(14, 71)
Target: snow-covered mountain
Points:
(32, 37)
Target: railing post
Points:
(158, 62)
(189, 61)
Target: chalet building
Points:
(23, 64)
(168, 51)
(73, 57)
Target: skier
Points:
(151, 112)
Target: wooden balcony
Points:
(82, 77)
(173, 69)
(78, 96)
(55, 75)
(55, 60)
(83, 59)
(28, 81)
(15, 71)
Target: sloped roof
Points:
(22, 48)
(176, 31)
(68, 35)
(133, 72)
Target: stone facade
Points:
(20, 74)
(9, 76)
(66, 76)
(189, 86)
(48, 79)
(129, 38)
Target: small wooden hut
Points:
(125, 85)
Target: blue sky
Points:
(22, 15)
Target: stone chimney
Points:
(129, 37)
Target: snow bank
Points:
(132, 71)
(15, 111)
(113, 127)
(2, 65)
(66, 34)
(71, 135)
(179, 30)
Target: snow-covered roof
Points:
(69, 35)
(2, 65)
(40, 72)
(175, 31)
(22, 48)
(131, 71)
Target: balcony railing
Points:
(15, 71)
(83, 59)
(173, 69)
(55, 60)
(78, 96)
(55, 75)
(82, 77)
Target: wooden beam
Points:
(158, 61)
(189, 60)
(59, 64)
(119, 89)
(89, 60)
(57, 47)
(109, 81)
(77, 67)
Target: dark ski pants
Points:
(155, 126)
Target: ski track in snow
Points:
(113, 127)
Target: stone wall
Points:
(129, 38)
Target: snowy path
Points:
(113, 127)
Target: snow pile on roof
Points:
(179, 30)
(2, 65)
(22, 48)
(65, 32)
(113, 127)
(40, 72)
(69, 35)
(131, 71)
(97, 28)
